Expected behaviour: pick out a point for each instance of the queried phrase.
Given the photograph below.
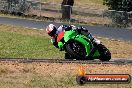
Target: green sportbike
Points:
(79, 46)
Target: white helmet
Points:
(51, 29)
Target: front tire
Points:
(68, 56)
(76, 50)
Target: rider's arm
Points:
(85, 32)
(64, 27)
(54, 42)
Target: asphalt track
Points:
(114, 33)
(66, 61)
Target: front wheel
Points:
(76, 50)
(68, 56)
(105, 54)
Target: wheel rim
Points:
(78, 49)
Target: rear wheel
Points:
(105, 54)
(76, 50)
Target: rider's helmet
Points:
(51, 30)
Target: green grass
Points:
(68, 81)
(26, 45)
(34, 80)
(49, 81)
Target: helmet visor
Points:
(52, 33)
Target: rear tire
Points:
(105, 54)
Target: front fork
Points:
(93, 51)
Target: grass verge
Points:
(26, 43)
(20, 42)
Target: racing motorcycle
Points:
(80, 47)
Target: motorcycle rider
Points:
(53, 31)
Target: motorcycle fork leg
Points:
(91, 54)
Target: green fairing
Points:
(96, 54)
(69, 35)
(84, 42)
(60, 44)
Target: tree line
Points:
(119, 5)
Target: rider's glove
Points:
(52, 40)
(82, 29)
(79, 29)
(67, 28)
(73, 27)
(54, 43)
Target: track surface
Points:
(119, 34)
(29, 60)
